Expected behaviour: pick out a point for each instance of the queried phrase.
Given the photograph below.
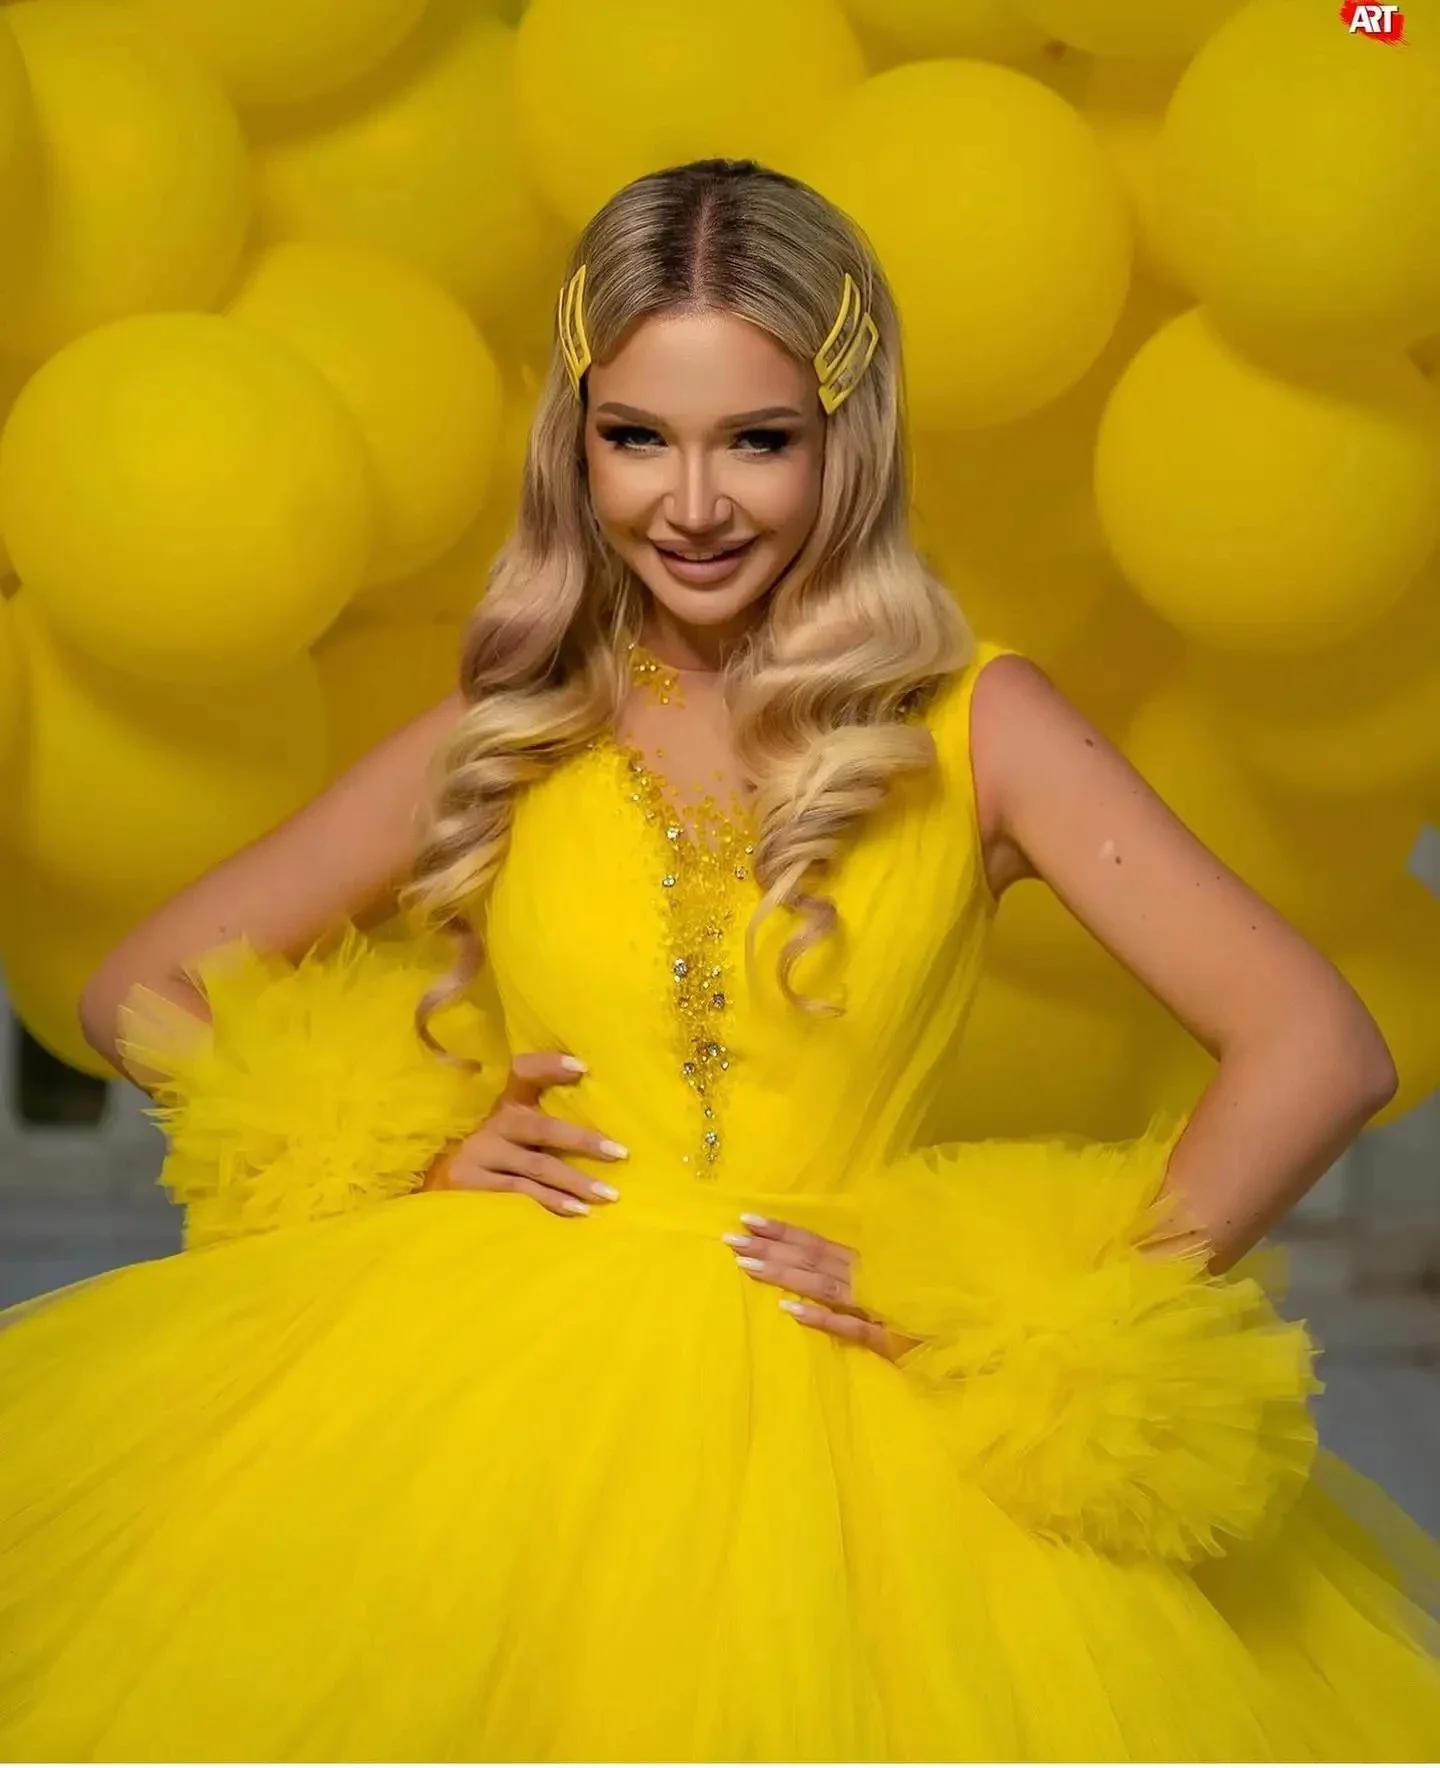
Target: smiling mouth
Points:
(702, 556)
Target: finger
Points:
(548, 1171)
(821, 1286)
(850, 1327)
(509, 1162)
(827, 1256)
(816, 1249)
(534, 1128)
(559, 1203)
(531, 1073)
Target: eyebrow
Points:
(737, 421)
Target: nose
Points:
(695, 505)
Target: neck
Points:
(700, 650)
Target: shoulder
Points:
(1003, 722)
(989, 704)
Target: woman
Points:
(776, 1433)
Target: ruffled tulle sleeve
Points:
(308, 1092)
(1102, 1393)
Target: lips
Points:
(703, 565)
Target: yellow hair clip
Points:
(842, 359)
(570, 323)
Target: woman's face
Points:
(705, 442)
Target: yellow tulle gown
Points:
(366, 1474)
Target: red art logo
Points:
(1382, 24)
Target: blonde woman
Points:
(580, 1353)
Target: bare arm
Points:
(340, 857)
(1303, 1066)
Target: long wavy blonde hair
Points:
(856, 635)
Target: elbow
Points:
(101, 1000)
(99, 1016)
(1377, 1077)
(1362, 1067)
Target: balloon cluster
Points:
(275, 280)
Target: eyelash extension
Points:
(629, 436)
(634, 436)
(768, 441)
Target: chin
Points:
(721, 606)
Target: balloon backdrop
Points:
(410, 368)
(184, 495)
(12, 704)
(128, 786)
(142, 172)
(923, 29)
(1219, 490)
(423, 160)
(1303, 178)
(1012, 284)
(274, 52)
(1129, 28)
(608, 92)
(19, 167)
(377, 675)
(276, 283)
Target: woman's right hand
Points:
(517, 1147)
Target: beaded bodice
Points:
(617, 931)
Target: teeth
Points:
(700, 558)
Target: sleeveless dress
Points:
(374, 1474)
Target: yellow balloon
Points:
(1134, 28)
(1008, 513)
(999, 224)
(185, 497)
(1357, 719)
(50, 947)
(12, 692)
(1039, 944)
(1301, 175)
(1325, 868)
(1118, 658)
(19, 163)
(128, 790)
(379, 675)
(919, 29)
(1393, 968)
(421, 160)
(609, 92)
(449, 589)
(145, 172)
(1259, 511)
(278, 52)
(1124, 102)
(1034, 1064)
(13, 376)
(414, 373)
(1177, 1073)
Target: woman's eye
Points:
(631, 436)
(763, 441)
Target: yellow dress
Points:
(366, 1474)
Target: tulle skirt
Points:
(447, 1478)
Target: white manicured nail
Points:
(736, 1239)
(754, 1221)
(614, 1150)
(750, 1264)
(576, 1207)
(573, 1065)
(606, 1191)
(793, 1307)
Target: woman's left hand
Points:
(820, 1270)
